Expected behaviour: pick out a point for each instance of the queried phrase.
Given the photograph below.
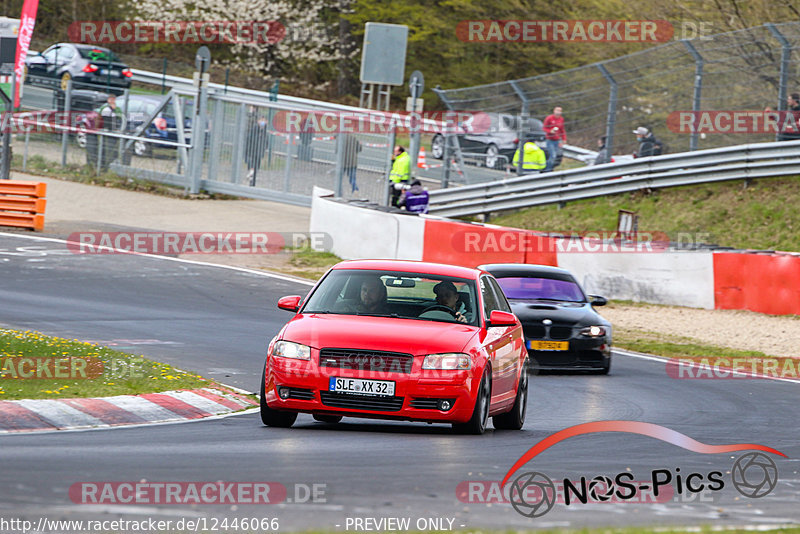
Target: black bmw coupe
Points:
(562, 329)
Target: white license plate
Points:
(383, 388)
(104, 72)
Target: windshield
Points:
(395, 294)
(541, 289)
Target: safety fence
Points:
(749, 69)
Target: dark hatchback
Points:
(89, 67)
(562, 329)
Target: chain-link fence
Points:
(750, 69)
(138, 133)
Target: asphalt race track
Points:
(217, 322)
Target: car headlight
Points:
(448, 360)
(287, 349)
(593, 331)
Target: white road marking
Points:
(665, 360)
(179, 260)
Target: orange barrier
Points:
(765, 283)
(22, 204)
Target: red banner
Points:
(26, 23)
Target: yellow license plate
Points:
(548, 345)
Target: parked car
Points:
(373, 339)
(562, 329)
(501, 139)
(140, 107)
(89, 67)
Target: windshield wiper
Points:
(392, 315)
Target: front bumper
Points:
(416, 397)
(583, 354)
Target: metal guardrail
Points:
(739, 162)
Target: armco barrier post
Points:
(698, 88)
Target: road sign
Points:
(202, 58)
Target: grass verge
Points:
(306, 262)
(36, 366)
(758, 216)
(707, 355)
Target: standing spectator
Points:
(602, 152)
(415, 199)
(533, 159)
(400, 173)
(111, 120)
(648, 144)
(351, 147)
(791, 120)
(256, 145)
(555, 134)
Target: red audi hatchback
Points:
(407, 340)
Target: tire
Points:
(492, 159)
(330, 419)
(604, 370)
(480, 413)
(80, 137)
(437, 146)
(272, 417)
(140, 148)
(515, 418)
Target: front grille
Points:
(428, 404)
(560, 332)
(366, 360)
(300, 394)
(361, 402)
(534, 331)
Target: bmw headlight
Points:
(287, 349)
(448, 360)
(593, 331)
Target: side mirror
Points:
(597, 300)
(501, 318)
(291, 303)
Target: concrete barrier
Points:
(741, 280)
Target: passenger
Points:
(447, 295)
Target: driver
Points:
(447, 295)
(373, 296)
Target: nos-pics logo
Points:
(533, 494)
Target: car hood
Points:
(410, 336)
(559, 312)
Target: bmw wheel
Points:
(437, 146)
(492, 159)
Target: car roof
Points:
(411, 267)
(522, 269)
